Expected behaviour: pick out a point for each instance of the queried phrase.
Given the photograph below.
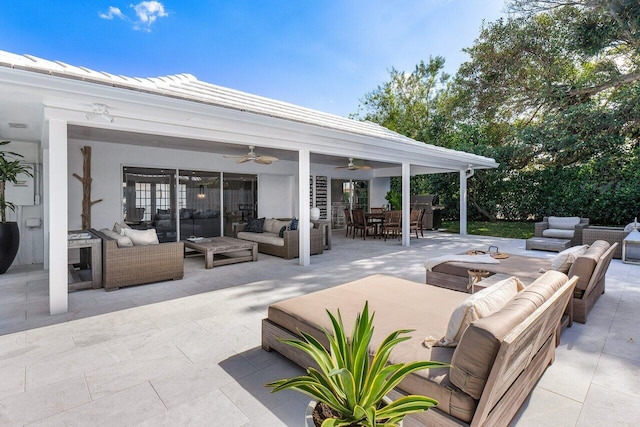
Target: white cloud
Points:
(113, 11)
(146, 14)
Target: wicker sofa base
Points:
(138, 265)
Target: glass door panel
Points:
(240, 193)
(199, 203)
(149, 200)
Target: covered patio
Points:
(188, 351)
(177, 122)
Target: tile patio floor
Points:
(188, 352)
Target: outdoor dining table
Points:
(375, 218)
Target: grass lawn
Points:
(515, 230)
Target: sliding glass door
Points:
(149, 200)
(240, 195)
(199, 203)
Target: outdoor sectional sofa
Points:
(496, 364)
(590, 267)
(136, 265)
(269, 242)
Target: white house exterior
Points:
(180, 122)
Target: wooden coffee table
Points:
(223, 250)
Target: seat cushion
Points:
(474, 356)
(398, 304)
(266, 238)
(558, 233)
(564, 222)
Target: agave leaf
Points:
(348, 386)
(406, 405)
(408, 368)
(339, 342)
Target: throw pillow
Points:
(118, 226)
(142, 237)
(562, 262)
(255, 225)
(282, 230)
(481, 304)
(294, 224)
(121, 241)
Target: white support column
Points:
(57, 206)
(304, 172)
(406, 203)
(463, 202)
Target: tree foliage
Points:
(552, 92)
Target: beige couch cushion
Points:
(584, 265)
(563, 261)
(479, 305)
(564, 222)
(398, 304)
(267, 238)
(121, 241)
(142, 237)
(557, 233)
(476, 351)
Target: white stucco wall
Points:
(108, 159)
(31, 249)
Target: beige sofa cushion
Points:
(142, 237)
(563, 261)
(266, 238)
(564, 222)
(398, 304)
(479, 305)
(474, 356)
(121, 241)
(557, 233)
(584, 265)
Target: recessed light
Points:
(15, 125)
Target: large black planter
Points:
(9, 243)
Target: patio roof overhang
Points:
(54, 102)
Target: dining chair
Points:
(359, 223)
(392, 224)
(414, 221)
(348, 218)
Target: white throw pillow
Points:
(121, 241)
(118, 226)
(142, 237)
(564, 222)
(481, 304)
(562, 262)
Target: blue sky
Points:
(319, 54)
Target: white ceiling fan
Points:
(252, 156)
(355, 165)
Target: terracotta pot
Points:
(308, 415)
(9, 244)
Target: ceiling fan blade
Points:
(262, 161)
(234, 157)
(364, 167)
(243, 159)
(341, 167)
(268, 158)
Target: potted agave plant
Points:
(11, 166)
(350, 387)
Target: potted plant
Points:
(394, 198)
(11, 166)
(350, 386)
